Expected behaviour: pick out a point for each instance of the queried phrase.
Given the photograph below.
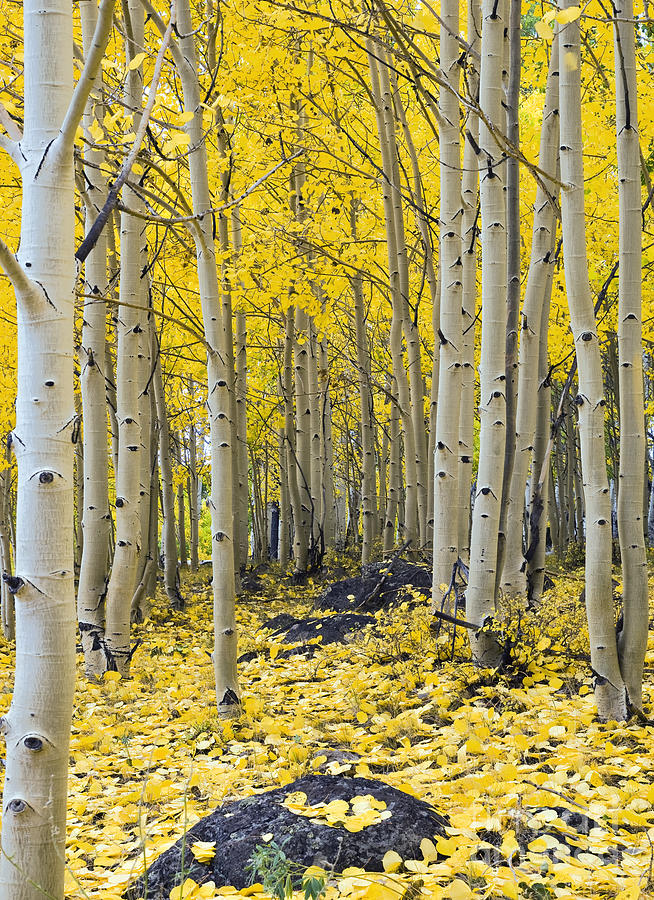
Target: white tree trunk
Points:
(610, 693)
(218, 401)
(37, 726)
(480, 595)
(168, 540)
(450, 333)
(542, 262)
(632, 641)
(131, 322)
(469, 232)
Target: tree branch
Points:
(95, 230)
(89, 74)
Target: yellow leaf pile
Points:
(499, 755)
(353, 815)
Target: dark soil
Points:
(378, 586)
(238, 827)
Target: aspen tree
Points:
(469, 230)
(299, 510)
(632, 640)
(131, 319)
(368, 479)
(96, 518)
(327, 448)
(218, 399)
(193, 485)
(538, 279)
(391, 220)
(610, 694)
(168, 540)
(432, 275)
(409, 327)
(37, 726)
(139, 606)
(181, 504)
(480, 595)
(6, 596)
(315, 443)
(539, 493)
(450, 332)
(241, 372)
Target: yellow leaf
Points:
(380, 891)
(446, 846)
(544, 31)
(458, 890)
(185, 117)
(112, 676)
(568, 15)
(391, 861)
(137, 61)
(428, 850)
(204, 851)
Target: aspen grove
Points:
(326, 402)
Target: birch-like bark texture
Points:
(168, 539)
(409, 327)
(450, 332)
(610, 692)
(632, 640)
(368, 475)
(326, 447)
(218, 399)
(538, 499)
(480, 595)
(131, 319)
(432, 275)
(139, 606)
(315, 443)
(96, 518)
(241, 389)
(469, 233)
(394, 478)
(392, 218)
(304, 523)
(181, 504)
(540, 268)
(193, 500)
(513, 61)
(6, 567)
(37, 725)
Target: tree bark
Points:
(632, 640)
(480, 595)
(610, 693)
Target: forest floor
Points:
(496, 754)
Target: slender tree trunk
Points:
(480, 596)
(632, 640)
(450, 333)
(168, 540)
(193, 511)
(535, 556)
(37, 726)
(610, 693)
(394, 479)
(368, 482)
(513, 36)
(131, 321)
(538, 279)
(181, 505)
(304, 522)
(469, 234)
(6, 596)
(218, 377)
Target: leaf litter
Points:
(543, 800)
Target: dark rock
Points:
(238, 827)
(330, 629)
(379, 585)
